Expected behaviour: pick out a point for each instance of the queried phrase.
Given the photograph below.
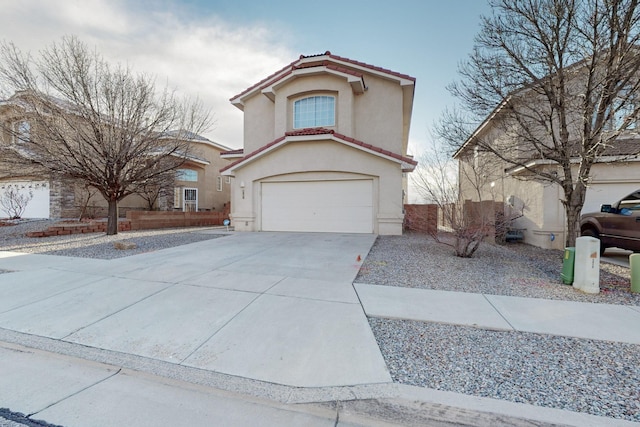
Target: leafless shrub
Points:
(14, 202)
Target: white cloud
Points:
(198, 55)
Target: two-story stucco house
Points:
(537, 205)
(198, 186)
(325, 149)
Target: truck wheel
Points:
(593, 233)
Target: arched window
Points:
(314, 111)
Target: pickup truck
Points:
(616, 225)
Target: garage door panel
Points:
(37, 206)
(601, 193)
(318, 206)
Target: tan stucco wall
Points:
(539, 203)
(378, 115)
(375, 116)
(330, 160)
(608, 183)
(259, 123)
(543, 215)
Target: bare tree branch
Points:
(101, 124)
(559, 80)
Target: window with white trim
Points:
(314, 111)
(187, 175)
(22, 131)
(228, 179)
(219, 183)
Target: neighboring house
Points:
(540, 203)
(325, 149)
(198, 186)
(23, 180)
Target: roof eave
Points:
(407, 164)
(402, 79)
(480, 128)
(192, 159)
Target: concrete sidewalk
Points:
(604, 322)
(269, 320)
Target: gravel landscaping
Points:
(515, 269)
(95, 245)
(594, 377)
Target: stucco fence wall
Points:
(429, 218)
(421, 218)
(142, 220)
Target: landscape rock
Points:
(124, 245)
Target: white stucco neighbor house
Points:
(325, 149)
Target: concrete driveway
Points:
(276, 307)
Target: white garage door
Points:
(318, 206)
(33, 196)
(599, 194)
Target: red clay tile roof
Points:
(373, 67)
(322, 131)
(310, 131)
(288, 69)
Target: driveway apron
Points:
(277, 307)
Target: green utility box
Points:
(634, 264)
(568, 263)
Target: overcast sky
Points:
(215, 49)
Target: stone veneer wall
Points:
(62, 199)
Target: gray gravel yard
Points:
(595, 377)
(516, 269)
(95, 245)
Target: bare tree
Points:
(14, 202)
(466, 223)
(154, 191)
(559, 78)
(103, 125)
(85, 199)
